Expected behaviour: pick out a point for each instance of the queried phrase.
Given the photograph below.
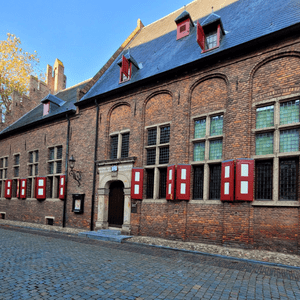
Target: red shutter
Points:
(40, 188)
(227, 181)
(137, 183)
(125, 66)
(8, 188)
(200, 36)
(62, 187)
(244, 179)
(170, 183)
(183, 182)
(18, 188)
(23, 188)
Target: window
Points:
(277, 138)
(209, 36)
(54, 170)
(119, 145)
(46, 108)
(125, 69)
(157, 159)
(207, 155)
(3, 174)
(183, 29)
(33, 171)
(16, 165)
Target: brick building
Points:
(190, 131)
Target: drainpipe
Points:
(95, 167)
(66, 168)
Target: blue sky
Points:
(82, 34)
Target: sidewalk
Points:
(266, 257)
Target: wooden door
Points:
(116, 204)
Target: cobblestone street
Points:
(44, 265)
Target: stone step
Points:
(105, 235)
(110, 231)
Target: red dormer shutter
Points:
(125, 66)
(200, 36)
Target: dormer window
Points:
(184, 23)
(125, 70)
(46, 108)
(210, 33)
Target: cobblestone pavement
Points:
(49, 265)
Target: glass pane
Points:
(264, 143)
(265, 116)
(164, 135)
(51, 168)
(162, 183)
(5, 162)
(264, 180)
(164, 155)
(288, 176)
(59, 152)
(59, 166)
(215, 149)
(289, 112)
(216, 125)
(113, 147)
(1, 163)
(150, 183)
(200, 128)
(125, 145)
(36, 169)
(211, 40)
(16, 172)
(30, 170)
(214, 181)
(289, 140)
(1, 175)
(151, 155)
(17, 159)
(199, 151)
(198, 182)
(51, 153)
(31, 157)
(36, 156)
(152, 137)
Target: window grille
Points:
(164, 135)
(198, 182)
(59, 167)
(30, 170)
(264, 180)
(199, 151)
(51, 168)
(17, 159)
(215, 149)
(51, 153)
(14, 188)
(16, 172)
(125, 145)
(288, 178)
(152, 136)
(289, 112)
(151, 156)
(216, 125)
(211, 40)
(264, 143)
(265, 116)
(36, 156)
(30, 157)
(289, 140)
(49, 187)
(29, 188)
(1, 162)
(150, 183)
(36, 167)
(114, 147)
(59, 152)
(162, 183)
(200, 128)
(163, 155)
(214, 181)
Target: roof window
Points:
(128, 66)
(184, 23)
(210, 33)
(46, 108)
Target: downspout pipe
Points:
(95, 167)
(66, 168)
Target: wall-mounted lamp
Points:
(74, 173)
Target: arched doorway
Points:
(116, 204)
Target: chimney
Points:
(59, 78)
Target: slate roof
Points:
(243, 21)
(64, 102)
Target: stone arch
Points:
(115, 123)
(269, 78)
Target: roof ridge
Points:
(73, 86)
(184, 7)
